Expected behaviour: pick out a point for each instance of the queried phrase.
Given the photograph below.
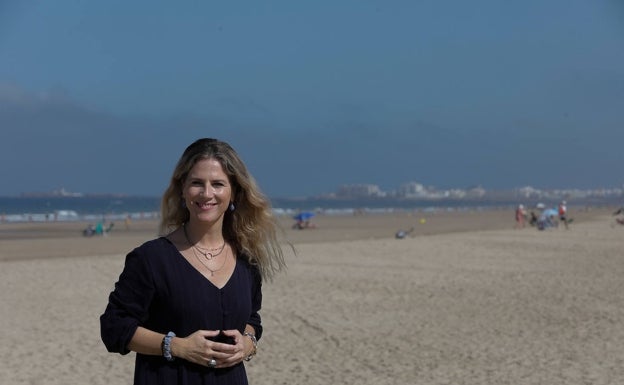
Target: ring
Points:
(212, 363)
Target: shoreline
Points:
(36, 240)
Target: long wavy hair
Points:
(250, 228)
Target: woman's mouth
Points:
(205, 205)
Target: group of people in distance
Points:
(98, 229)
(547, 217)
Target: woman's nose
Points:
(207, 191)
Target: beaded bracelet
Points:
(166, 346)
(254, 341)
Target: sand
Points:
(465, 300)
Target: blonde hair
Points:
(250, 228)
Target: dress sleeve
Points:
(128, 303)
(256, 301)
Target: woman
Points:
(187, 302)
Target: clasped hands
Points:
(200, 348)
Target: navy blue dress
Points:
(161, 291)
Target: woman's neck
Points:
(205, 235)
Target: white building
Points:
(412, 190)
(360, 190)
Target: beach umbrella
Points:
(304, 216)
(550, 213)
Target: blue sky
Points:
(104, 96)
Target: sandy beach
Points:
(466, 299)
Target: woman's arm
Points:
(197, 347)
(146, 341)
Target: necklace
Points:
(212, 271)
(206, 252)
(210, 254)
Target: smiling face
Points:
(207, 192)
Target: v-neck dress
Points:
(161, 291)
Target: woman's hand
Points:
(199, 348)
(230, 355)
(196, 347)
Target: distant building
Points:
(360, 191)
(412, 190)
(460, 194)
(415, 190)
(476, 192)
(528, 192)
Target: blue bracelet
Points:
(166, 346)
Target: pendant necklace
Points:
(212, 271)
(200, 260)
(206, 252)
(210, 254)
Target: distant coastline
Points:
(407, 194)
(63, 193)
(117, 207)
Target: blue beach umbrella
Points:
(550, 213)
(304, 216)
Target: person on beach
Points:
(188, 301)
(534, 219)
(520, 216)
(403, 233)
(563, 213)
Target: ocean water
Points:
(39, 209)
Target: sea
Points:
(110, 208)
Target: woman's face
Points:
(207, 192)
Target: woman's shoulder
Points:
(245, 260)
(159, 243)
(153, 250)
(156, 255)
(249, 266)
